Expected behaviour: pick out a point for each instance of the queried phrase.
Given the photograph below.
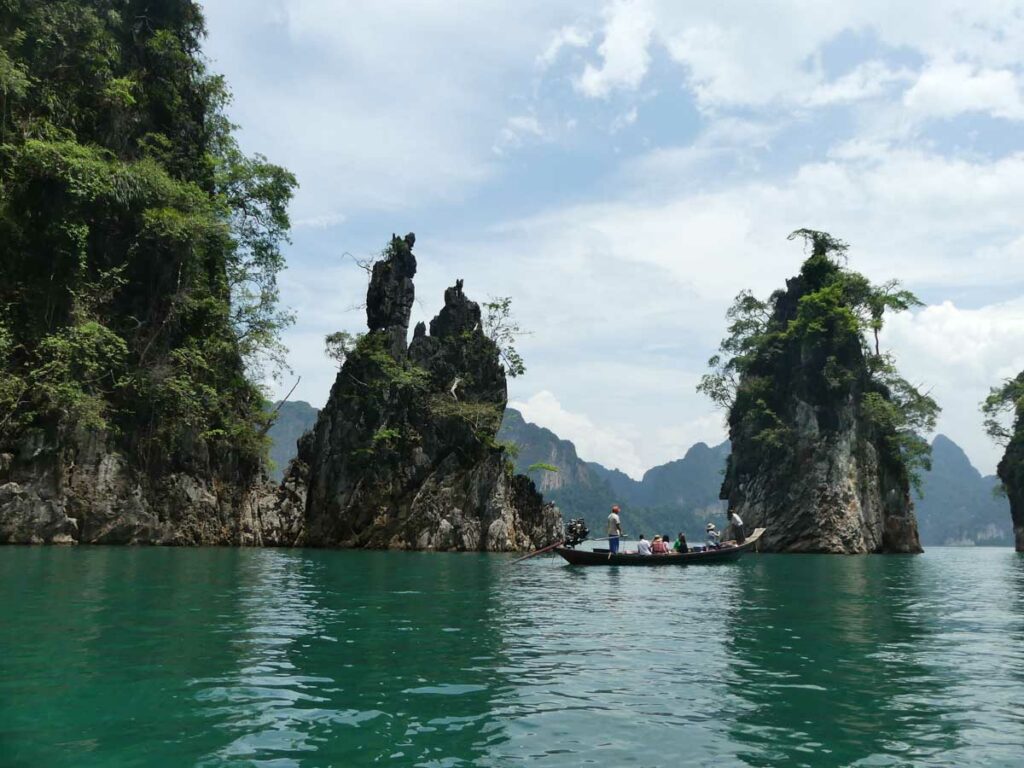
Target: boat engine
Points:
(576, 532)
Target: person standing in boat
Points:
(614, 530)
(737, 526)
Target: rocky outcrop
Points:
(1011, 472)
(835, 495)
(391, 294)
(78, 490)
(403, 455)
(815, 458)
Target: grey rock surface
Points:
(840, 500)
(403, 455)
(86, 493)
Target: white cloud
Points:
(566, 37)
(959, 354)
(624, 120)
(377, 106)
(400, 106)
(323, 221)
(627, 276)
(593, 443)
(737, 54)
(517, 130)
(867, 81)
(623, 49)
(945, 89)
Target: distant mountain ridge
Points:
(679, 495)
(959, 507)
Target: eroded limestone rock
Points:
(404, 455)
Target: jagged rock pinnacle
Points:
(391, 293)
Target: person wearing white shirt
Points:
(643, 547)
(713, 536)
(737, 526)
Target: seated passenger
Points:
(713, 536)
(659, 546)
(680, 545)
(643, 546)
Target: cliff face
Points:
(835, 495)
(140, 250)
(404, 454)
(815, 450)
(1011, 472)
(80, 490)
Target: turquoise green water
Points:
(158, 657)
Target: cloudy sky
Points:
(623, 168)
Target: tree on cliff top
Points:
(1004, 422)
(811, 340)
(1005, 403)
(140, 248)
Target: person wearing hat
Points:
(614, 530)
(713, 536)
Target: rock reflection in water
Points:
(833, 657)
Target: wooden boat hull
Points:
(708, 557)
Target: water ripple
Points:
(226, 658)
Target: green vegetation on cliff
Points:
(1005, 403)
(818, 341)
(139, 246)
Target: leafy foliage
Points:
(818, 327)
(1004, 409)
(482, 419)
(140, 247)
(542, 466)
(504, 330)
(339, 345)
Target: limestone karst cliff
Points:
(1011, 472)
(404, 453)
(139, 249)
(1005, 404)
(824, 432)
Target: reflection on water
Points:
(834, 658)
(290, 658)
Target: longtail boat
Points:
(726, 553)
